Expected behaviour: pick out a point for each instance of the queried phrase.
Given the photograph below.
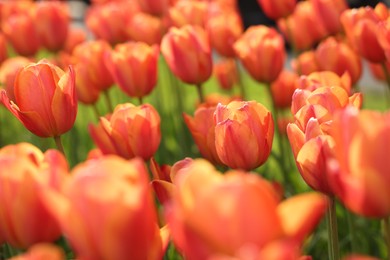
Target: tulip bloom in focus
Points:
(24, 172)
(261, 51)
(360, 175)
(276, 9)
(133, 66)
(229, 215)
(243, 134)
(129, 132)
(107, 211)
(188, 54)
(45, 99)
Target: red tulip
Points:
(188, 13)
(154, 7)
(145, 28)
(42, 252)
(276, 9)
(45, 99)
(305, 63)
(329, 12)
(283, 88)
(226, 73)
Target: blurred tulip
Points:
(24, 173)
(224, 29)
(3, 48)
(202, 128)
(283, 88)
(45, 99)
(359, 175)
(325, 78)
(376, 70)
(261, 51)
(145, 28)
(329, 12)
(154, 7)
(8, 71)
(75, 37)
(42, 252)
(133, 65)
(243, 134)
(384, 37)
(52, 21)
(92, 72)
(17, 29)
(188, 13)
(213, 99)
(338, 57)
(129, 132)
(276, 9)
(305, 63)
(109, 215)
(188, 54)
(213, 214)
(226, 73)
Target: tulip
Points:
(277, 9)
(3, 48)
(213, 99)
(226, 73)
(188, 55)
(243, 134)
(92, 73)
(226, 215)
(329, 12)
(45, 99)
(224, 29)
(339, 58)
(261, 51)
(107, 211)
(129, 132)
(188, 13)
(202, 128)
(154, 7)
(18, 28)
(283, 88)
(359, 174)
(24, 172)
(145, 28)
(52, 21)
(325, 78)
(305, 63)
(75, 37)
(8, 71)
(42, 252)
(133, 66)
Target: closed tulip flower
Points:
(261, 51)
(243, 134)
(24, 172)
(107, 211)
(305, 63)
(188, 13)
(145, 28)
(154, 7)
(188, 54)
(226, 73)
(220, 215)
(133, 66)
(283, 88)
(329, 12)
(129, 132)
(277, 9)
(359, 174)
(45, 99)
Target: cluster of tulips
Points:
(123, 200)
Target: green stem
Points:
(239, 79)
(200, 92)
(387, 235)
(331, 220)
(140, 100)
(351, 227)
(108, 101)
(387, 76)
(58, 142)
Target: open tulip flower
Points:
(243, 134)
(215, 215)
(129, 132)
(45, 99)
(107, 211)
(24, 172)
(359, 174)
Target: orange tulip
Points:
(3, 48)
(75, 37)
(18, 28)
(213, 99)
(305, 63)
(338, 57)
(145, 28)
(226, 215)
(283, 88)
(188, 54)
(261, 51)
(325, 78)
(329, 12)
(277, 9)
(45, 99)
(8, 71)
(133, 65)
(226, 73)
(42, 252)
(243, 134)
(309, 135)
(24, 172)
(92, 73)
(188, 13)
(202, 128)
(360, 175)
(224, 29)
(129, 132)
(154, 7)
(384, 37)
(107, 211)
(52, 21)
